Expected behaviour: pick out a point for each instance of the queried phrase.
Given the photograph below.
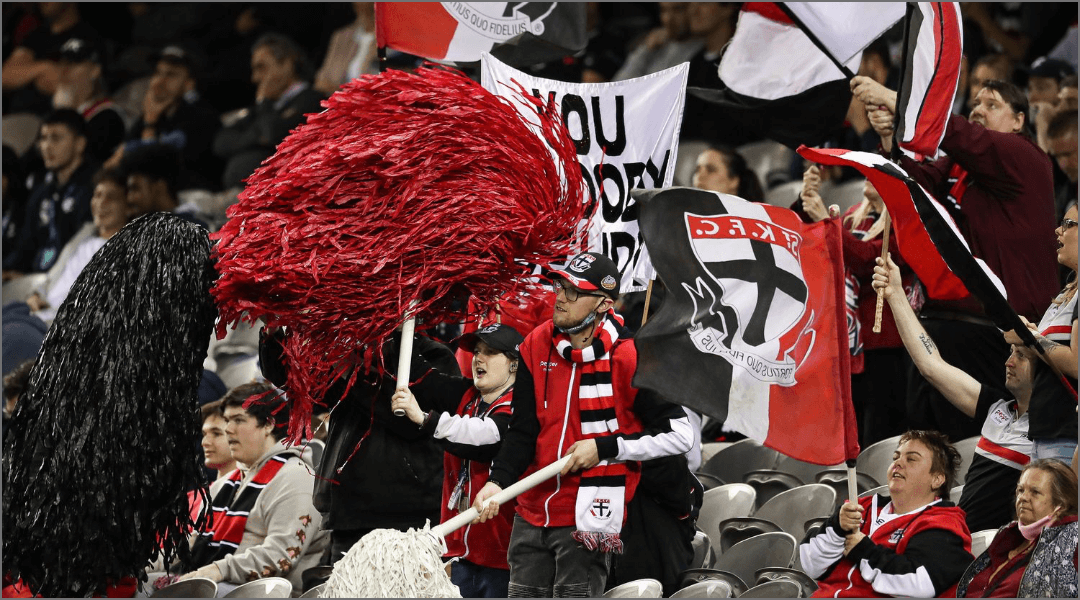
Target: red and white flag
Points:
(779, 81)
(934, 47)
(516, 32)
(752, 330)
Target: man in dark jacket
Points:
(379, 471)
(282, 99)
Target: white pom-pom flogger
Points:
(388, 563)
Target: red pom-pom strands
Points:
(409, 186)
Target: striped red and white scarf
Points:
(601, 497)
(230, 512)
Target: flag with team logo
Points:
(752, 329)
(520, 33)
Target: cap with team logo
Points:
(499, 336)
(592, 272)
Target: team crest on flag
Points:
(757, 296)
(752, 329)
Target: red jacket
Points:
(546, 423)
(920, 554)
(484, 544)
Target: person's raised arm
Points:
(961, 389)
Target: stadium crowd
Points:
(115, 110)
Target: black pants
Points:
(879, 394)
(978, 350)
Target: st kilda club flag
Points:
(752, 330)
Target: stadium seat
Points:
(789, 512)
(706, 589)
(774, 589)
(881, 490)
(980, 541)
(703, 553)
(845, 195)
(708, 480)
(966, 448)
(784, 194)
(803, 580)
(314, 592)
(721, 503)
(770, 482)
(267, 587)
(766, 550)
(836, 478)
(954, 494)
(807, 472)
(770, 160)
(709, 449)
(690, 577)
(638, 588)
(735, 461)
(21, 131)
(874, 459)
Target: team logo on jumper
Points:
(601, 508)
(896, 536)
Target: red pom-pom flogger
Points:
(410, 187)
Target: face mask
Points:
(1032, 531)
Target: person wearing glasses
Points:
(1053, 407)
(574, 397)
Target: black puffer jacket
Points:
(394, 479)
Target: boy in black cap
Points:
(469, 420)
(574, 396)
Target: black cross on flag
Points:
(752, 330)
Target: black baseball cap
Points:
(79, 50)
(499, 336)
(179, 55)
(592, 272)
(1050, 67)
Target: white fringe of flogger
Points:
(388, 563)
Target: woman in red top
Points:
(469, 422)
(1034, 556)
(879, 378)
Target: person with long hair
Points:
(722, 169)
(1035, 555)
(1053, 407)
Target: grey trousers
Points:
(546, 562)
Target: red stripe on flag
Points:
(916, 246)
(769, 10)
(1057, 329)
(936, 105)
(420, 28)
(1001, 451)
(817, 427)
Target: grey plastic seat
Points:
(735, 461)
(966, 448)
(836, 478)
(691, 577)
(639, 588)
(759, 552)
(716, 588)
(804, 581)
(314, 592)
(196, 587)
(806, 472)
(789, 512)
(770, 482)
(874, 460)
(267, 587)
(708, 480)
(980, 541)
(881, 490)
(774, 589)
(703, 553)
(721, 503)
